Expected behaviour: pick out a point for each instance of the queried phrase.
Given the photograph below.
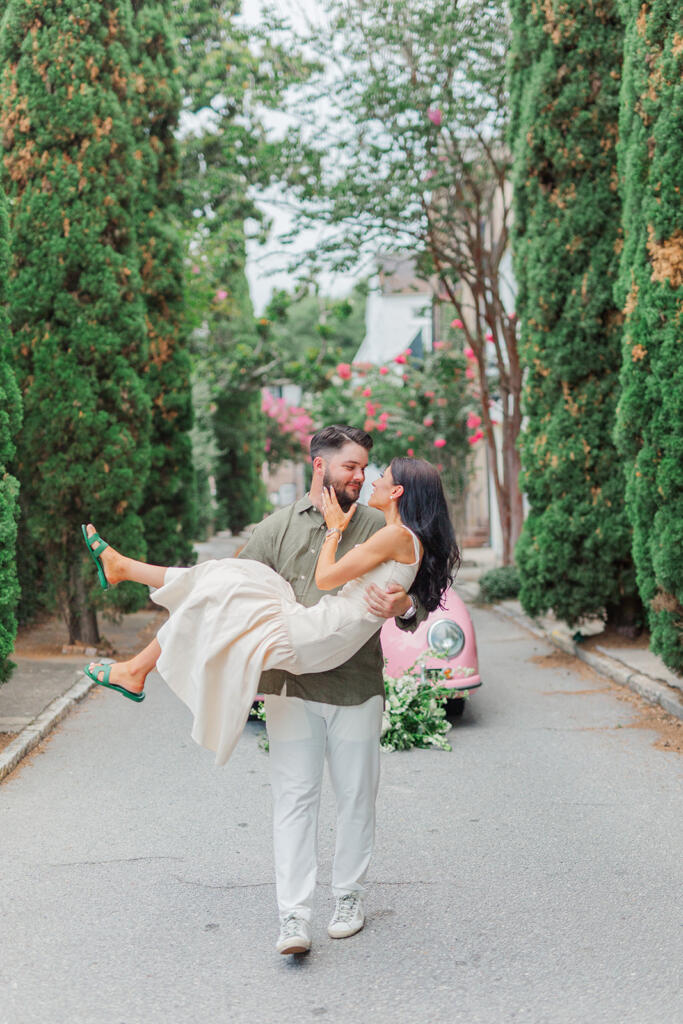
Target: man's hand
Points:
(389, 603)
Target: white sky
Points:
(266, 264)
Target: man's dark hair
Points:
(335, 437)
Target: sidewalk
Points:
(41, 691)
(48, 682)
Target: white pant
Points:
(300, 734)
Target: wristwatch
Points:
(412, 610)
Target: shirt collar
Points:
(304, 504)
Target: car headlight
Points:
(445, 638)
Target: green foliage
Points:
(415, 407)
(414, 712)
(77, 317)
(408, 153)
(500, 584)
(574, 552)
(169, 504)
(650, 289)
(225, 150)
(10, 419)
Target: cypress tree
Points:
(574, 552)
(79, 342)
(10, 415)
(650, 415)
(169, 505)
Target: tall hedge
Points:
(650, 417)
(10, 417)
(574, 552)
(79, 337)
(169, 504)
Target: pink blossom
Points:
(489, 336)
(412, 403)
(457, 323)
(472, 439)
(512, 316)
(469, 373)
(370, 408)
(367, 392)
(429, 394)
(221, 294)
(400, 359)
(439, 467)
(369, 425)
(383, 417)
(399, 433)
(410, 451)
(435, 116)
(267, 445)
(383, 370)
(411, 437)
(429, 175)
(473, 420)
(468, 353)
(195, 268)
(439, 345)
(428, 421)
(382, 425)
(442, 402)
(439, 442)
(344, 371)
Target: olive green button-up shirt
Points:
(289, 541)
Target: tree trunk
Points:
(81, 618)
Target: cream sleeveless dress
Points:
(232, 619)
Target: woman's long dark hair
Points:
(423, 508)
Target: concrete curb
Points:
(652, 690)
(43, 724)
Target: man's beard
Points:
(345, 499)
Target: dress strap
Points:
(416, 543)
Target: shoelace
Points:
(346, 907)
(291, 926)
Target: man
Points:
(335, 714)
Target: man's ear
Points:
(319, 466)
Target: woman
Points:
(230, 620)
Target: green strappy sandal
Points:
(96, 546)
(106, 670)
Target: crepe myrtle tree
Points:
(650, 291)
(400, 144)
(10, 418)
(574, 551)
(79, 346)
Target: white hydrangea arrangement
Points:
(415, 710)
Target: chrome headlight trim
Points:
(446, 638)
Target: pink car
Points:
(449, 632)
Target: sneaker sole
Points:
(345, 935)
(298, 947)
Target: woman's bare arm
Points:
(386, 544)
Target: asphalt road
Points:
(533, 874)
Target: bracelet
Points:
(331, 532)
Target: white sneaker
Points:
(295, 935)
(348, 918)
